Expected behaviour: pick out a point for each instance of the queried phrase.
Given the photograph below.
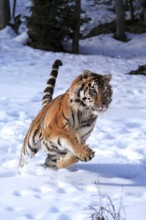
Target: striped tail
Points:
(49, 90)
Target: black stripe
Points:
(88, 133)
(55, 149)
(81, 88)
(65, 116)
(59, 142)
(50, 162)
(51, 81)
(73, 117)
(35, 133)
(79, 114)
(85, 89)
(65, 125)
(40, 136)
(53, 160)
(83, 104)
(49, 90)
(54, 73)
(77, 100)
(47, 96)
(80, 101)
(34, 150)
(87, 123)
(49, 150)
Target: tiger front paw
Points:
(86, 153)
(60, 163)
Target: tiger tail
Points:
(32, 141)
(49, 90)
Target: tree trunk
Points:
(14, 8)
(126, 3)
(120, 20)
(76, 31)
(143, 9)
(144, 15)
(4, 13)
(131, 9)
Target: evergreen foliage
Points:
(48, 24)
(51, 22)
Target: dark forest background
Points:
(51, 22)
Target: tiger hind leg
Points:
(50, 162)
(27, 153)
(67, 161)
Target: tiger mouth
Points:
(102, 109)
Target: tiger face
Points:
(95, 91)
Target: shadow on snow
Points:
(135, 173)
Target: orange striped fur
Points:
(63, 124)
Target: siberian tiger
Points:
(63, 124)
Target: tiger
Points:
(64, 123)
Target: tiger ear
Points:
(86, 74)
(78, 79)
(107, 77)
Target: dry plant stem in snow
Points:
(107, 211)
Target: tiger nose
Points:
(103, 104)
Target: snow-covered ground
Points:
(119, 137)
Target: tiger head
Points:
(93, 90)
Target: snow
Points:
(98, 13)
(108, 46)
(119, 137)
